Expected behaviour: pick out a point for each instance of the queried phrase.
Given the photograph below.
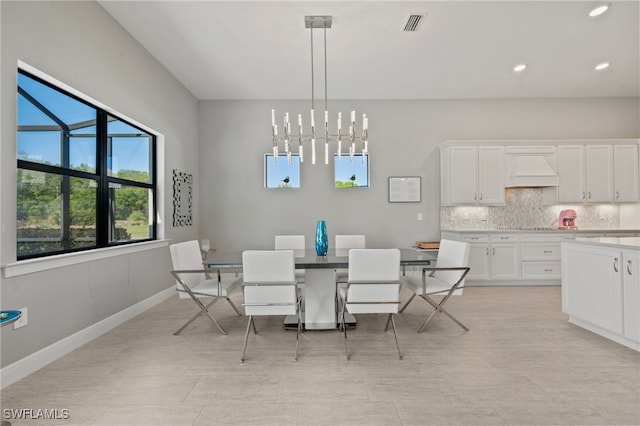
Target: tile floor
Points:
(522, 363)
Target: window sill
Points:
(45, 263)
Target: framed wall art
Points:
(405, 189)
(182, 198)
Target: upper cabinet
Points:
(586, 173)
(570, 171)
(626, 176)
(472, 175)
(602, 173)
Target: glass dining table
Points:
(319, 284)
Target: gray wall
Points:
(238, 212)
(79, 44)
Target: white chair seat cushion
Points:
(209, 287)
(433, 285)
(372, 292)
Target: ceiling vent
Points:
(413, 22)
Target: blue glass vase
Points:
(322, 242)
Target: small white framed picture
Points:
(405, 189)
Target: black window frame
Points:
(104, 227)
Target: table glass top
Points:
(333, 259)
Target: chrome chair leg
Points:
(344, 329)
(341, 320)
(299, 327)
(203, 310)
(253, 324)
(438, 308)
(386, 326)
(233, 306)
(246, 336)
(395, 334)
(407, 304)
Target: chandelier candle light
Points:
(301, 138)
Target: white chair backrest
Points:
(374, 265)
(291, 242)
(452, 254)
(381, 268)
(345, 242)
(270, 267)
(187, 256)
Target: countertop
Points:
(625, 243)
(542, 230)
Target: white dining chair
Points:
(373, 286)
(344, 243)
(269, 288)
(194, 282)
(295, 243)
(446, 279)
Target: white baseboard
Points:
(32, 363)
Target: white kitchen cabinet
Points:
(540, 254)
(479, 259)
(472, 175)
(586, 173)
(493, 257)
(626, 174)
(601, 288)
(592, 286)
(519, 258)
(631, 294)
(505, 259)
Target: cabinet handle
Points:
(548, 251)
(493, 252)
(589, 197)
(504, 238)
(629, 267)
(615, 264)
(548, 270)
(617, 194)
(583, 195)
(486, 251)
(481, 195)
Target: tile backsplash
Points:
(524, 208)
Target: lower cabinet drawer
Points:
(540, 251)
(540, 270)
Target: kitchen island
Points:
(601, 287)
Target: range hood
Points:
(531, 166)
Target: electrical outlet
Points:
(419, 217)
(24, 319)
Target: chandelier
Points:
(301, 138)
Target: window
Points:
(86, 178)
(282, 173)
(351, 171)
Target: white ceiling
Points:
(464, 49)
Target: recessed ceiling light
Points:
(602, 66)
(598, 10)
(519, 67)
